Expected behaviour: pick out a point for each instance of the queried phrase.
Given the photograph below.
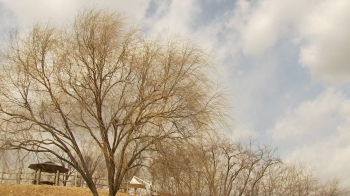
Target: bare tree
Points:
(332, 188)
(296, 179)
(98, 80)
(178, 168)
(212, 166)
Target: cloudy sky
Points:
(285, 64)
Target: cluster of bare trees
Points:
(218, 167)
(104, 101)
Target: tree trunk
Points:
(92, 187)
(112, 192)
(113, 188)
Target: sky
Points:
(284, 64)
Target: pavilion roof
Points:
(49, 167)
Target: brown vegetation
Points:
(45, 190)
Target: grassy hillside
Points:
(46, 190)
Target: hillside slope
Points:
(46, 190)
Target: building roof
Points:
(49, 167)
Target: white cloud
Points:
(261, 31)
(320, 28)
(324, 123)
(326, 32)
(173, 17)
(63, 11)
(330, 156)
(310, 117)
(243, 132)
(268, 21)
(7, 23)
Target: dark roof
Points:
(49, 167)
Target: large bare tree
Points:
(99, 80)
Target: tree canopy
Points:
(99, 80)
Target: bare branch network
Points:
(100, 82)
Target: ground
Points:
(46, 190)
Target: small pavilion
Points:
(137, 183)
(48, 167)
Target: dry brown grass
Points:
(46, 190)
